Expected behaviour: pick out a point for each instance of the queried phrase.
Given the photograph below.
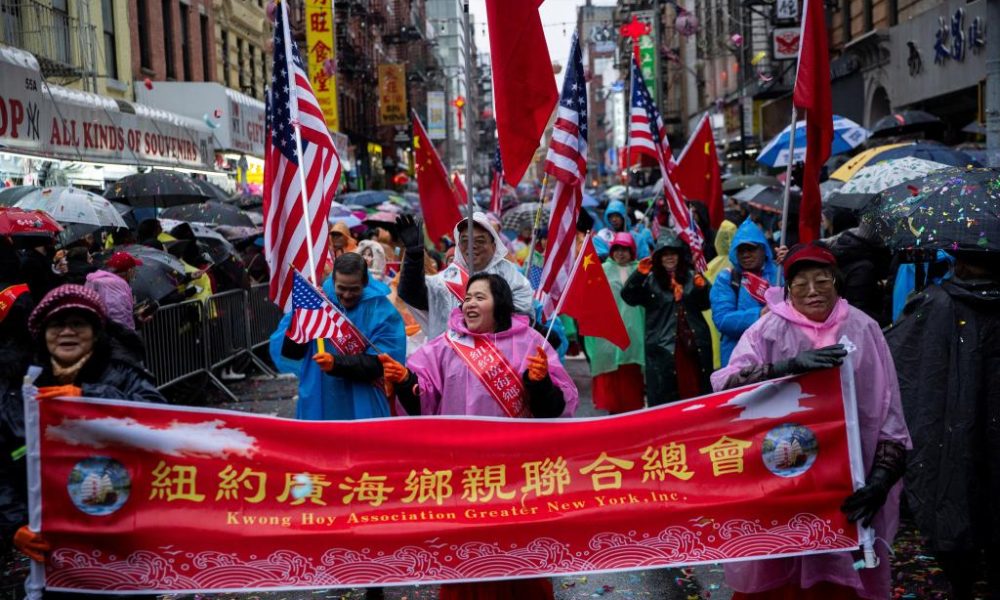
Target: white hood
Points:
(501, 248)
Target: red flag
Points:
(812, 94)
(438, 199)
(524, 90)
(461, 195)
(697, 172)
(590, 301)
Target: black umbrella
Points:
(522, 215)
(948, 209)
(10, 196)
(737, 183)
(247, 200)
(211, 212)
(769, 198)
(907, 121)
(156, 188)
(853, 202)
(157, 277)
(211, 190)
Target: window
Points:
(110, 49)
(240, 65)
(253, 71)
(12, 27)
(145, 52)
(185, 42)
(207, 52)
(168, 39)
(225, 59)
(60, 31)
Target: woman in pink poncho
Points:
(808, 326)
(474, 368)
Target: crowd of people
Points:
(928, 408)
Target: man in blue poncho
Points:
(738, 293)
(616, 215)
(333, 386)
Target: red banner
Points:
(146, 497)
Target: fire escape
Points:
(65, 45)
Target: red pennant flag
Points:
(589, 300)
(461, 195)
(812, 94)
(524, 89)
(438, 199)
(697, 172)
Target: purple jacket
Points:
(448, 386)
(780, 335)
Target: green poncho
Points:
(604, 356)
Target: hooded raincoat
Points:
(663, 327)
(722, 242)
(734, 309)
(604, 356)
(430, 300)
(782, 334)
(602, 240)
(946, 346)
(326, 398)
(449, 387)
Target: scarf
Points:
(67, 375)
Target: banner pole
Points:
(569, 282)
(788, 177)
(534, 228)
(35, 582)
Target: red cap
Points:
(122, 261)
(814, 253)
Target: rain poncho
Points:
(326, 398)
(947, 351)
(117, 297)
(449, 387)
(602, 240)
(734, 310)
(604, 356)
(377, 267)
(441, 301)
(782, 334)
(723, 239)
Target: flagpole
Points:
(537, 223)
(788, 177)
(628, 126)
(569, 282)
(320, 293)
(469, 123)
(294, 116)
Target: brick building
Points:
(172, 40)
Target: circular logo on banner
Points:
(789, 450)
(99, 485)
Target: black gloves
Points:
(409, 231)
(810, 360)
(888, 467)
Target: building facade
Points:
(595, 25)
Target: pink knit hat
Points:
(63, 298)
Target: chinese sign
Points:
(436, 116)
(141, 497)
(392, 95)
(647, 52)
(786, 43)
(786, 10)
(321, 48)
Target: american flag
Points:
(291, 106)
(567, 163)
(652, 140)
(314, 316)
(496, 190)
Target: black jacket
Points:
(864, 265)
(946, 346)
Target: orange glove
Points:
(645, 266)
(46, 393)
(538, 365)
(31, 544)
(324, 360)
(698, 281)
(393, 371)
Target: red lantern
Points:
(459, 104)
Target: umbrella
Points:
(768, 198)
(390, 207)
(925, 150)
(847, 135)
(973, 127)
(237, 232)
(73, 205)
(741, 182)
(219, 248)
(884, 174)
(247, 200)
(948, 209)
(9, 196)
(156, 188)
(369, 198)
(211, 212)
(907, 121)
(211, 190)
(157, 277)
(829, 187)
(522, 215)
(18, 221)
(381, 217)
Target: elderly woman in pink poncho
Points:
(488, 363)
(808, 326)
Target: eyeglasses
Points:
(800, 287)
(75, 324)
(477, 242)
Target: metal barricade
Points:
(263, 315)
(175, 344)
(225, 329)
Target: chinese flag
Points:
(462, 196)
(812, 94)
(438, 199)
(524, 89)
(697, 172)
(590, 301)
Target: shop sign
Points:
(786, 43)
(437, 128)
(246, 128)
(786, 10)
(321, 49)
(951, 41)
(647, 52)
(392, 94)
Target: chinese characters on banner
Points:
(392, 95)
(321, 48)
(647, 52)
(170, 499)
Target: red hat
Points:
(814, 253)
(66, 297)
(624, 240)
(122, 261)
